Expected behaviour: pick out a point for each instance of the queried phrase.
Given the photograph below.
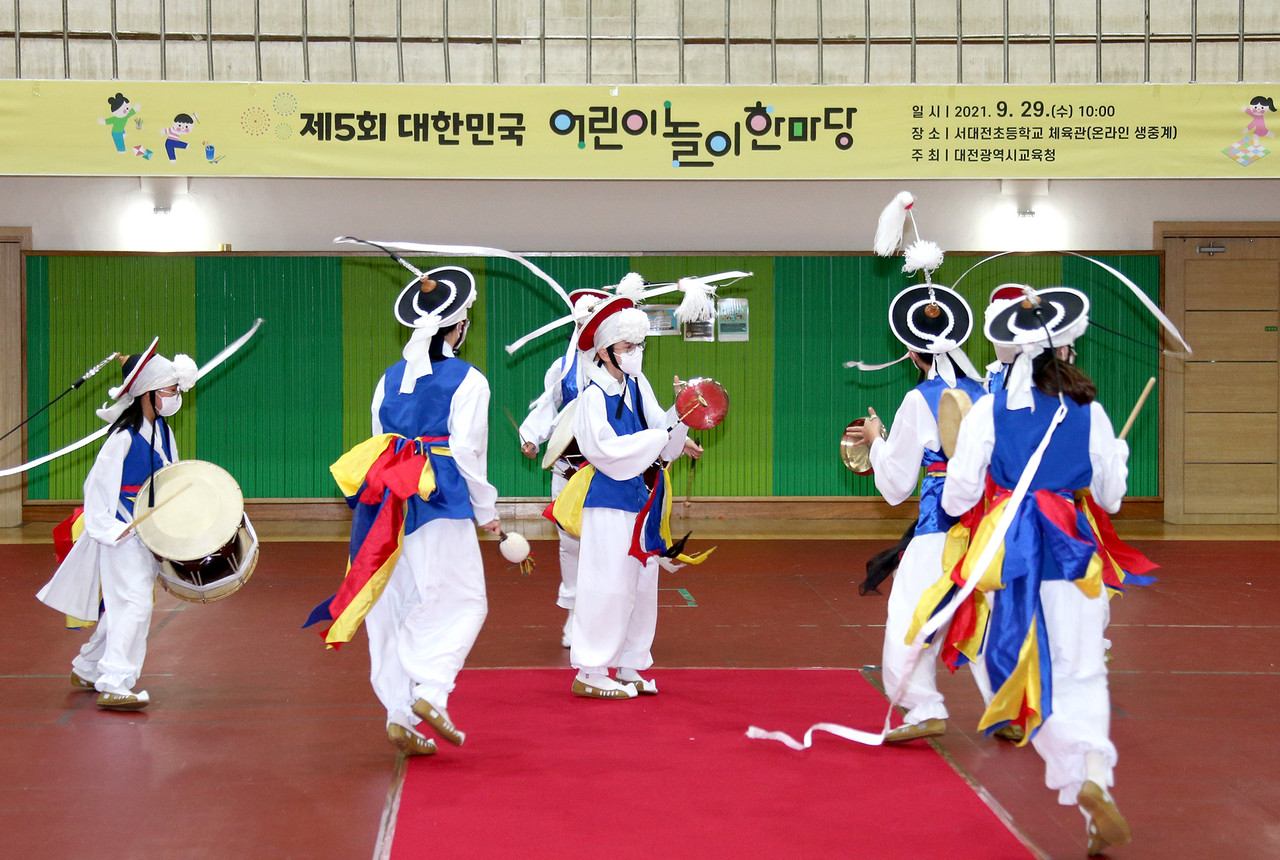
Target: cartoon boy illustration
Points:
(182, 124)
(1258, 107)
(121, 111)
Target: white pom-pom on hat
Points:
(922, 256)
(631, 287)
(892, 219)
(698, 304)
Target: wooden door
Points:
(1222, 436)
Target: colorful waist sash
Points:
(377, 477)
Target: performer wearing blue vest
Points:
(430, 408)
(622, 431)
(1044, 643)
(932, 321)
(560, 388)
(108, 557)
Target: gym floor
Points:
(259, 743)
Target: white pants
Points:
(113, 656)
(426, 620)
(1081, 718)
(568, 551)
(921, 567)
(616, 613)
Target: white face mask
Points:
(630, 362)
(170, 405)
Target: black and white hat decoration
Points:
(1041, 320)
(443, 293)
(933, 319)
(926, 318)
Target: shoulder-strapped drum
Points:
(198, 531)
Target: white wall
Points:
(114, 214)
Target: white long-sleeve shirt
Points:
(624, 457)
(102, 486)
(967, 469)
(896, 460)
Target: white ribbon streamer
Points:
(218, 359)
(942, 616)
(1124, 279)
(463, 251)
(862, 365)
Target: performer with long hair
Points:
(1041, 441)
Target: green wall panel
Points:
(271, 415)
(830, 310)
(98, 305)
(37, 352)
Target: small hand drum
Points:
(702, 403)
(856, 454)
(561, 442)
(205, 544)
(952, 408)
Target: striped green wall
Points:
(297, 396)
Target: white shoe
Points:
(644, 686)
(123, 701)
(601, 687)
(566, 635)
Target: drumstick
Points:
(514, 425)
(142, 518)
(1137, 407)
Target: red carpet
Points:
(546, 774)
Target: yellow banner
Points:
(637, 132)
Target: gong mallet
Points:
(1137, 407)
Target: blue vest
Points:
(605, 492)
(995, 382)
(424, 412)
(1065, 466)
(141, 462)
(933, 518)
(569, 382)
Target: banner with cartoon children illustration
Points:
(637, 132)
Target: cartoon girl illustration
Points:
(121, 111)
(1258, 108)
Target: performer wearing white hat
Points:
(560, 388)
(1042, 440)
(108, 557)
(622, 431)
(425, 604)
